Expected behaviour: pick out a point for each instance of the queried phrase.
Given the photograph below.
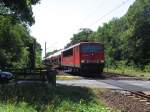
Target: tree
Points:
(14, 40)
(125, 39)
(18, 9)
(15, 16)
(82, 36)
(138, 17)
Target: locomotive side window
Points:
(87, 48)
(68, 52)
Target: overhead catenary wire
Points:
(52, 45)
(111, 11)
(106, 14)
(100, 4)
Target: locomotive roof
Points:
(54, 55)
(79, 44)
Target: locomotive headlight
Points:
(102, 61)
(82, 61)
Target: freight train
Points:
(82, 57)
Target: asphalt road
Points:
(131, 85)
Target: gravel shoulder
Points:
(117, 100)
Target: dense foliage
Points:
(18, 9)
(126, 39)
(15, 35)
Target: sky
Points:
(57, 20)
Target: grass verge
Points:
(128, 71)
(67, 77)
(43, 98)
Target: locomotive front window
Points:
(88, 48)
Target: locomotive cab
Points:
(84, 57)
(92, 57)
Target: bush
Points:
(147, 68)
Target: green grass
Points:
(43, 98)
(128, 71)
(66, 77)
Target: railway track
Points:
(141, 96)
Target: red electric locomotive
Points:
(84, 56)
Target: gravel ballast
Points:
(115, 99)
